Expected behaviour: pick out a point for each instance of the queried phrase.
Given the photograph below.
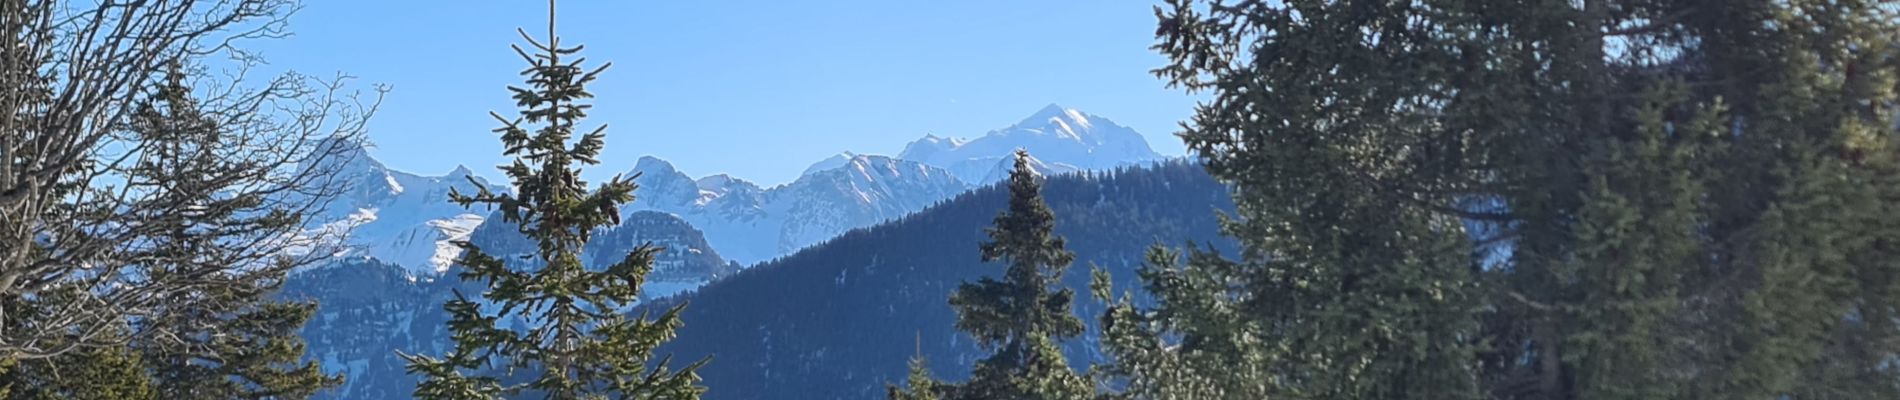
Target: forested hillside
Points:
(839, 320)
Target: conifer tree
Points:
(227, 340)
(83, 372)
(1199, 300)
(918, 385)
(573, 341)
(88, 189)
(1022, 316)
(260, 357)
(1602, 199)
(100, 373)
(215, 333)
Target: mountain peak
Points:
(835, 161)
(1067, 123)
(343, 155)
(1053, 109)
(338, 145)
(460, 171)
(653, 165)
(1058, 113)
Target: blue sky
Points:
(758, 89)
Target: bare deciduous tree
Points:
(108, 218)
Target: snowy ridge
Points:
(405, 219)
(749, 224)
(829, 163)
(1063, 138)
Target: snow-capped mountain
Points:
(1065, 139)
(398, 217)
(749, 224)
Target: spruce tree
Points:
(258, 355)
(1023, 316)
(1603, 199)
(1219, 353)
(228, 339)
(918, 385)
(573, 341)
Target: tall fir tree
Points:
(221, 336)
(1023, 316)
(230, 339)
(1602, 199)
(574, 341)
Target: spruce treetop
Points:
(1023, 316)
(576, 344)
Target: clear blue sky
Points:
(758, 89)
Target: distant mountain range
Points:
(833, 321)
(385, 288)
(404, 219)
(749, 224)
